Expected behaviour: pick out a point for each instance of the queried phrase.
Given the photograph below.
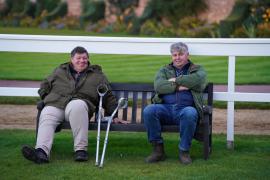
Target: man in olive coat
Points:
(178, 100)
(70, 93)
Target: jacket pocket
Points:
(55, 100)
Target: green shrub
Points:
(65, 23)
(190, 22)
(263, 30)
(150, 27)
(191, 26)
(246, 17)
(92, 11)
(59, 11)
(166, 32)
(16, 6)
(173, 10)
(6, 9)
(119, 25)
(239, 33)
(238, 14)
(16, 10)
(170, 11)
(26, 21)
(206, 31)
(48, 5)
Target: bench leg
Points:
(37, 123)
(206, 137)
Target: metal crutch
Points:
(122, 103)
(102, 90)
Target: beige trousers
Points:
(76, 113)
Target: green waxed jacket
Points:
(195, 80)
(59, 88)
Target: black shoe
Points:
(81, 155)
(36, 155)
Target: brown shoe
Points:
(158, 153)
(184, 157)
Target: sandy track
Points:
(246, 121)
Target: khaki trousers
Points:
(76, 113)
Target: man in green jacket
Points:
(70, 93)
(178, 100)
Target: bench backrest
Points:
(140, 95)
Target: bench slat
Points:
(145, 87)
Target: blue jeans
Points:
(156, 115)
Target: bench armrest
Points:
(40, 105)
(207, 109)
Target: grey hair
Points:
(179, 47)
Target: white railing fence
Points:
(147, 46)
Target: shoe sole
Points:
(185, 162)
(81, 156)
(81, 160)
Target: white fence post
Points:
(230, 103)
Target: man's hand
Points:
(119, 121)
(172, 79)
(181, 88)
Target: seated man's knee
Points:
(149, 110)
(77, 106)
(50, 113)
(190, 113)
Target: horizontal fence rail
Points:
(146, 46)
(218, 96)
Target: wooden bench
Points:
(140, 95)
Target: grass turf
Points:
(131, 68)
(125, 158)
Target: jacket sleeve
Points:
(45, 86)
(161, 83)
(195, 81)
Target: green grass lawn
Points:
(125, 158)
(132, 68)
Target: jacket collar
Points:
(192, 67)
(89, 68)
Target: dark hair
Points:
(78, 50)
